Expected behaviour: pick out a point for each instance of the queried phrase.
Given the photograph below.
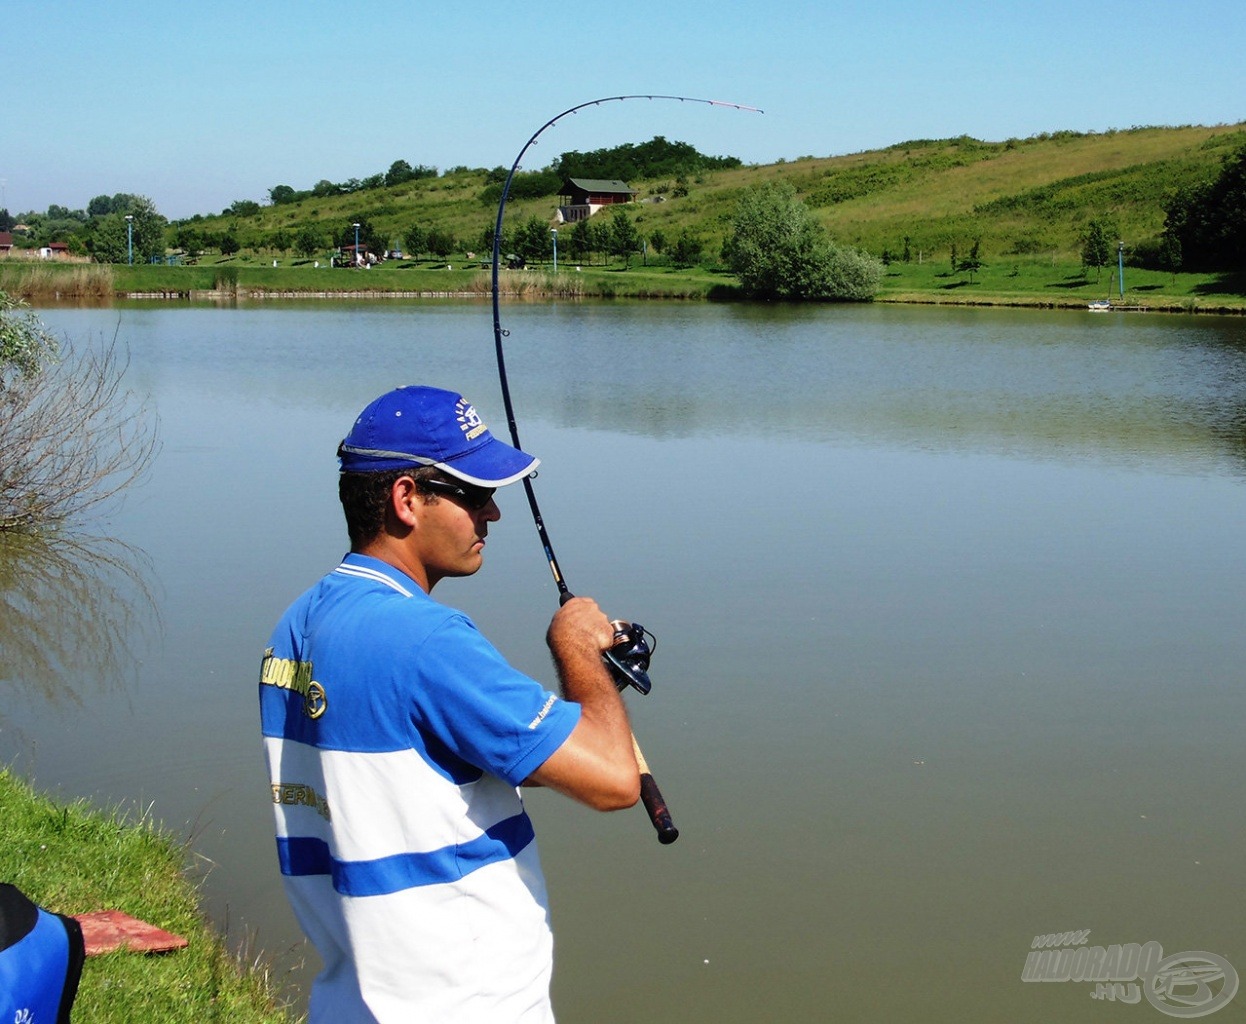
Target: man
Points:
(396, 736)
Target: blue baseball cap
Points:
(421, 426)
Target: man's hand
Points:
(596, 764)
(579, 628)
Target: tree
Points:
(532, 240)
(416, 240)
(399, 171)
(579, 243)
(112, 236)
(229, 243)
(657, 240)
(1208, 221)
(1096, 247)
(278, 240)
(687, 250)
(188, 240)
(778, 251)
(308, 242)
(441, 243)
(972, 263)
(72, 436)
(122, 203)
(26, 346)
(281, 194)
(1170, 253)
(598, 235)
(624, 238)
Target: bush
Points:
(779, 252)
(25, 346)
(73, 437)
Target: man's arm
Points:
(596, 763)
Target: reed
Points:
(43, 282)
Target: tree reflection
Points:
(74, 610)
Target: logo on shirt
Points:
(543, 712)
(295, 676)
(296, 794)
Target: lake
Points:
(948, 614)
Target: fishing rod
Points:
(628, 656)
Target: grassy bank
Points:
(1037, 281)
(242, 278)
(1041, 282)
(73, 859)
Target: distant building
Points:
(6, 242)
(582, 197)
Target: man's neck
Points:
(389, 550)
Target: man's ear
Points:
(404, 497)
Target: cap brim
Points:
(493, 464)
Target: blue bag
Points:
(41, 957)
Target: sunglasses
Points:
(471, 497)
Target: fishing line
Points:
(628, 657)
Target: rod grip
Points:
(654, 802)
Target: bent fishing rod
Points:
(628, 657)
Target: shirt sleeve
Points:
(483, 710)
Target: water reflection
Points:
(74, 609)
(948, 607)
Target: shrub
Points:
(779, 252)
(73, 436)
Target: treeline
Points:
(112, 229)
(657, 158)
(1205, 224)
(400, 171)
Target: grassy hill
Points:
(1019, 197)
(1025, 203)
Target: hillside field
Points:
(1025, 204)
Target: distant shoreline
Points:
(1013, 284)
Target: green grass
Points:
(1032, 194)
(1037, 281)
(73, 859)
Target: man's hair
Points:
(365, 497)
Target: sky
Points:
(199, 105)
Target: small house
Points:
(582, 197)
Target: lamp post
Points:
(1120, 268)
(129, 236)
(554, 233)
(356, 244)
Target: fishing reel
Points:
(628, 655)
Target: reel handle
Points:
(628, 662)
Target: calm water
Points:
(948, 607)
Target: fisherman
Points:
(396, 737)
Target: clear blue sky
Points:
(197, 105)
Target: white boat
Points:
(1100, 306)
